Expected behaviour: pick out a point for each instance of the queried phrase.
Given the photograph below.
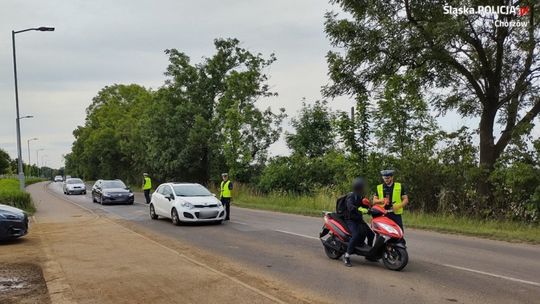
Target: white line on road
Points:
(492, 275)
(298, 234)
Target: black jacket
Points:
(353, 201)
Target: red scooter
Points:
(388, 243)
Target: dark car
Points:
(13, 222)
(111, 192)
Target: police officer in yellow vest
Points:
(391, 195)
(226, 194)
(147, 186)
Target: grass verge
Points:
(10, 194)
(314, 205)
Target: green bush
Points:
(10, 194)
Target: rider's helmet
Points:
(358, 185)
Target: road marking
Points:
(492, 275)
(241, 223)
(298, 234)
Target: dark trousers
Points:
(359, 231)
(147, 195)
(396, 218)
(226, 201)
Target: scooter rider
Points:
(357, 204)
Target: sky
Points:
(103, 42)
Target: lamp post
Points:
(19, 150)
(37, 159)
(29, 163)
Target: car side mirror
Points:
(170, 197)
(213, 194)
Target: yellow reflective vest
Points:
(225, 191)
(147, 183)
(396, 196)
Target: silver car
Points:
(74, 186)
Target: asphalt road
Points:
(442, 268)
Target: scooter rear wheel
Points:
(396, 258)
(330, 251)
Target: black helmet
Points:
(358, 185)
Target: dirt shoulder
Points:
(89, 258)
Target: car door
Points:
(167, 203)
(95, 190)
(157, 197)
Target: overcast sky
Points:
(98, 43)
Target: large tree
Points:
(467, 62)
(205, 119)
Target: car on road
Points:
(13, 222)
(186, 202)
(58, 178)
(74, 186)
(111, 192)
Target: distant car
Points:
(74, 186)
(111, 192)
(185, 202)
(67, 177)
(13, 222)
(58, 178)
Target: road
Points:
(442, 268)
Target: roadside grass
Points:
(325, 201)
(10, 194)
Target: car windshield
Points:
(74, 181)
(113, 184)
(191, 190)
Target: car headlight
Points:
(106, 194)
(187, 205)
(130, 194)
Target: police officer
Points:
(391, 195)
(226, 194)
(357, 205)
(147, 186)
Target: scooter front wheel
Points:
(395, 258)
(331, 250)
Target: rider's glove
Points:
(387, 207)
(363, 210)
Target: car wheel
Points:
(84, 192)
(175, 219)
(93, 199)
(101, 200)
(153, 214)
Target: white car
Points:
(58, 178)
(74, 186)
(186, 202)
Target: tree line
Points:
(400, 63)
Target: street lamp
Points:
(29, 163)
(19, 150)
(37, 159)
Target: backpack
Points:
(341, 205)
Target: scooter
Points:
(388, 243)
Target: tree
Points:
(205, 118)
(4, 162)
(468, 62)
(314, 132)
(402, 116)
